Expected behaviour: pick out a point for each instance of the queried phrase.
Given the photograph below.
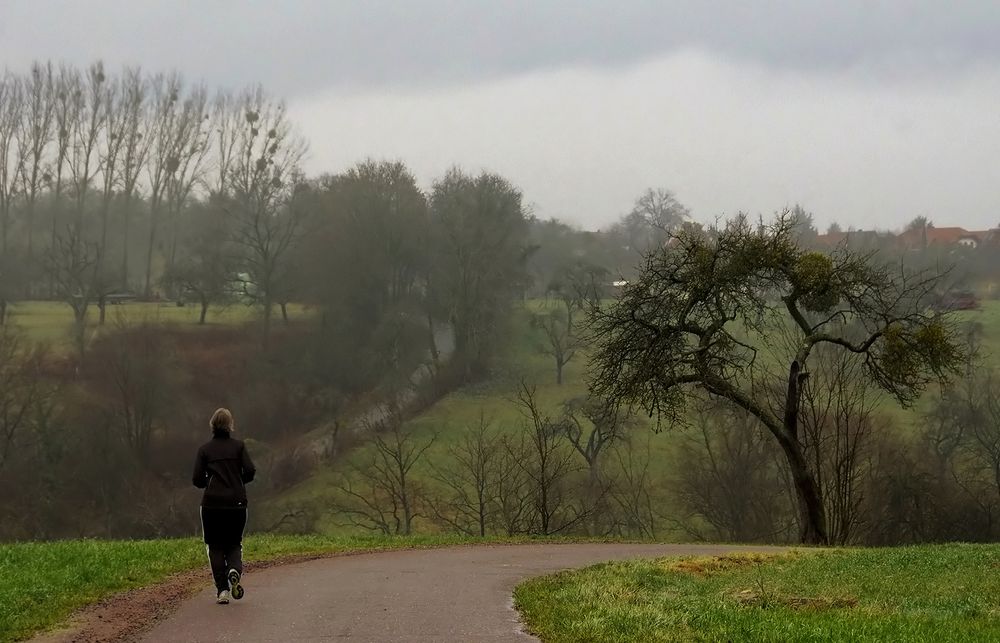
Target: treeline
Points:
(585, 469)
(874, 475)
(98, 171)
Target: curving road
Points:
(452, 594)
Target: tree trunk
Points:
(482, 515)
(284, 311)
(559, 371)
(204, 311)
(55, 230)
(6, 217)
(30, 221)
(146, 291)
(102, 305)
(80, 331)
(812, 515)
(126, 217)
(267, 321)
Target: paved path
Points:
(455, 594)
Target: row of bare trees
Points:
(581, 471)
(85, 153)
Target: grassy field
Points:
(51, 322)
(927, 593)
(43, 583)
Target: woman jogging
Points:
(222, 467)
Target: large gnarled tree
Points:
(711, 313)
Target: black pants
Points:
(222, 559)
(223, 528)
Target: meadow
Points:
(51, 322)
(495, 401)
(924, 593)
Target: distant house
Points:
(913, 239)
(917, 238)
(969, 240)
(931, 236)
(855, 238)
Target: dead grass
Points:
(708, 565)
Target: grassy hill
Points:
(494, 400)
(926, 593)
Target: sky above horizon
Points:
(867, 113)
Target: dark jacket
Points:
(222, 467)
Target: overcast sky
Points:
(869, 112)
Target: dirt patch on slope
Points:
(707, 565)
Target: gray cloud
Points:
(726, 136)
(868, 112)
(297, 48)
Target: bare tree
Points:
(13, 274)
(33, 140)
(985, 434)
(513, 491)
(578, 287)
(263, 178)
(592, 425)
(112, 144)
(84, 162)
(10, 161)
(134, 151)
(11, 103)
(68, 94)
(837, 416)
(654, 217)
(468, 476)
(207, 267)
(631, 490)
(558, 340)
(166, 131)
(378, 492)
(20, 389)
(72, 265)
(548, 465)
(227, 119)
(191, 149)
(137, 373)
(729, 486)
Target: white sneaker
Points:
(234, 584)
(223, 598)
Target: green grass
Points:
(925, 593)
(43, 583)
(51, 322)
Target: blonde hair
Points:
(222, 420)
